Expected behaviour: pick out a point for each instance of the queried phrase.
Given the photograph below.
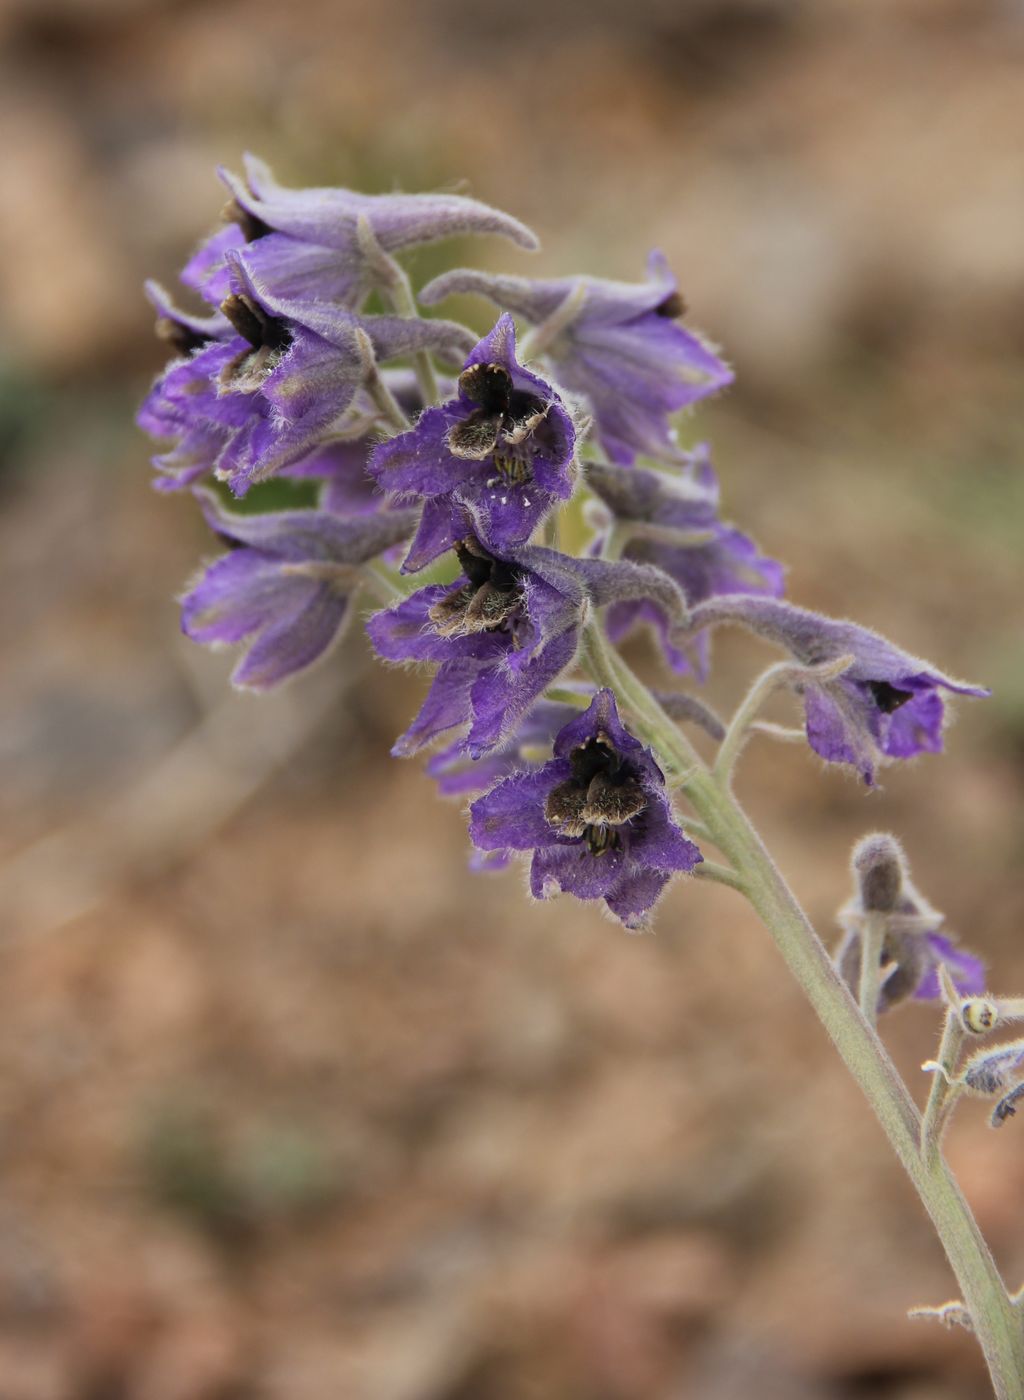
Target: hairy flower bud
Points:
(878, 867)
(978, 1015)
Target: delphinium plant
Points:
(413, 446)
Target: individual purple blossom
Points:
(885, 705)
(503, 446)
(596, 818)
(677, 528)
(914, 947)
(505, 630)
(285, 590)
(306, 242)
(271, 380)
(618, 344)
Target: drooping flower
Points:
(503, 632)
(503, 446)
(271, 379)
(597, 818)
(885, 705)
(286, 588)
(676, 526)
(305, 242)
(914, 946)
(618, 344)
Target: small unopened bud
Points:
(979, 1015)
(878, 868)
(993, 1071)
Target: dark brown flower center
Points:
(251, 226)
(600, 797)
(672, 307)
(887, 697)
(501, 423)
(486, 601)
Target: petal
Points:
(295, 641)
(661, 844)
(442, 522)
(838, 727)
(237, 595)
(502, 695)
(572, 868)
(512, 814)
(967, 971)
(915, 727)
(446, 705)
(418, 462)
(405, 633)
(635, 896)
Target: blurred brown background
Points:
(293, 1107)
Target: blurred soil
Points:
(295, 1108)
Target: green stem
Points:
(712, 870)
(942, 1094)
(872, 942)
(996, 1322)
(393, 281)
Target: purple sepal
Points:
(304, 242)
(886, 705)
(623, 349)
(286, 588)
(967, 971)
(628, 844)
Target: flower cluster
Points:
(311, 363)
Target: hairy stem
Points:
(391, 278)
(872, 941)
(942, 1094)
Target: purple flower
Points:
(502, 633)
(305, 243)
(913, 946)
(286, 588)
(272, 379)
(503, 446)
(597, 818)
(677, 528)
(885, 705)
(618, 344)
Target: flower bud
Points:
(979, 1015)
(878, 867)
(994, 1071)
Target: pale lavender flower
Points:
(305, 242)
(886, 705)
(285, 590)
(621, 347)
